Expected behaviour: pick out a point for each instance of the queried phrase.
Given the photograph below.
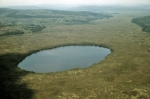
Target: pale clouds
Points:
(74, 2)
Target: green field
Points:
(124, 74)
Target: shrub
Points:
(15, 32)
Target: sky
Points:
(72, 2)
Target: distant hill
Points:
(91, 8)
(23, 20)
(112, 8)
(23, 7)
(51, 7)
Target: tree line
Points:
(143, 22)
(12, 32)
(34, 28)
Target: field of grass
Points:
(124, 74)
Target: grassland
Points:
(124, 74)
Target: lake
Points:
(63, 58)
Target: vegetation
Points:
(124, 74)
(143, 22)
(3, 10)
(5, 24)
(66, 16)
(1, 25)
(40, 18)
(34, 28)
(15, 32)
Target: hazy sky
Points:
(74, 2)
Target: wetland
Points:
(123, 74)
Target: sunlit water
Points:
(64, 58)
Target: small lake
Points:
(63, 58)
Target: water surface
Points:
(64, 58)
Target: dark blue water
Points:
(64, 58)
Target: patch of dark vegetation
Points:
(6, 24)
(48, 16)
(2, 25)
(34, 28)
(9, 77)
(20, 16)
(12, 13)
(109, 78)
(32, 16)
(13, 32)
(83, 17)
(143, 22)
(82, 13)
(77, 20)
(3, 10)
(136, 93)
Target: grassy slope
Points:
(124, 74)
